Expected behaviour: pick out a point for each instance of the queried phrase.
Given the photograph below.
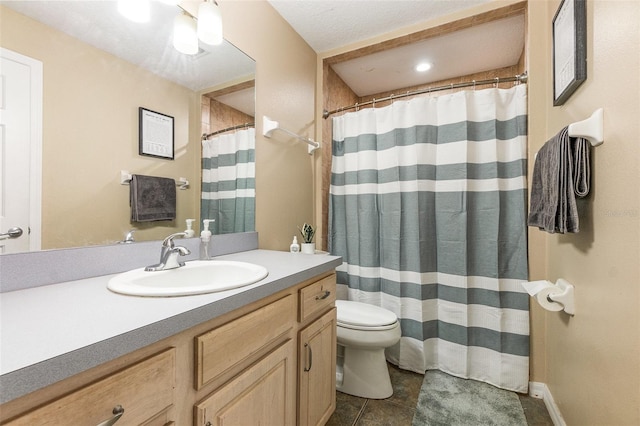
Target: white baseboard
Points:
(541, 391)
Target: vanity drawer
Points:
(235, 343)
(317, 297)
(143, 390)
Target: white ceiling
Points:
(326, 25)
(480, 48)
(148, 45)
(323, 24)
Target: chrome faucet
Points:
(169, 254)
(128, 239)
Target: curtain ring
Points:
(474, 85)
(497, 82)
(357, 107)
(374, 102)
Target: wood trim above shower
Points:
(439, 30)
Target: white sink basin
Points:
(196, 277)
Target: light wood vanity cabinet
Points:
(265, 392)
(317, 352)
(317, 370)
(262, 394)
(233, 345)
(141, 394)
(271, 362)
(257, 353)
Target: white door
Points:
(20, 150)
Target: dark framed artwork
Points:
(156, 134)
(569, 49)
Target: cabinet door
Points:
(261, 395)
(317, 370)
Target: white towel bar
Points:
(590, 129)
(268, 126)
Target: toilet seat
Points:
(362, 316)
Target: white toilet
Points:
(363, 333)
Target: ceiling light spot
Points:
(423, 66)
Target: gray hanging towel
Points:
(152, 198)
(561, 172)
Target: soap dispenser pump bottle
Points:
(205, 237)
(294, 247)
(189, 232)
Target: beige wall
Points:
(90, 133)
(592, 360)
(285, 91)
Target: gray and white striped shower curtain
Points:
(229, 182)
(428, 211)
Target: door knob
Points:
(14, 232)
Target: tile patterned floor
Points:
(398, 410)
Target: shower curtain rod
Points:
(206, 136)
(520, 78)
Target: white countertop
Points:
(84, 324)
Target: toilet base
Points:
(365, 373)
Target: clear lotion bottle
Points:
(294, 247)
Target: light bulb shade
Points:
(135, 10)
(209, 23)
(185, 36)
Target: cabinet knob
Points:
(118, 411)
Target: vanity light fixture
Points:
(208, 30)
(135, 10)
(423, 67)
(185, 35)
(209, 23)
(188, 30)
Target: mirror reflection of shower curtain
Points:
(229, 182)
(428, 211)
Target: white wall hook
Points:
(591, 129)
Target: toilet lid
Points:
(363, 314)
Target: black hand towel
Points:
(152, 198)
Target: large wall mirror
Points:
(98, 70)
